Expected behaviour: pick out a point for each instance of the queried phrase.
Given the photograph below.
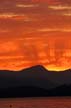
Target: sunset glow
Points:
(35, 32)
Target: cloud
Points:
(14, 16)
(6, 47)
(54, 30)
(9, 15)
(28, 33)
(4, 31)
(67, 14)
(26, 5)
(60, 7)
(18, 57)
(61, 10)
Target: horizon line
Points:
(34, 66)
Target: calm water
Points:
(62, 102)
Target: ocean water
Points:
(49, 102)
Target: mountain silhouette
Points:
(63, 90)
(34, 76)
(37, 79)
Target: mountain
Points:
(63, 90)
(26, 91)
(61, 77)
(32, 91)
(34, 76)
(37, 79)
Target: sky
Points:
(34, 32)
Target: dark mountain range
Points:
(64, 90)
(31, 91)
(36, 79)
(35, 76)
(26, 91)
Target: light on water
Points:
(50, 102)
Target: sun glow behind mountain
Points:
(35, 32)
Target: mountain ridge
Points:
(35, 66)
(35, 78)
(37, 72)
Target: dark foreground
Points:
(35, 81)
(50, 102)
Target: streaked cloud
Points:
(8, 47)
(9, 15)
(15, 16)
(67, 14)
(11, 57)
(4, 31)
(27, 5)
(35, 33)
(54, 30)
(60, 7)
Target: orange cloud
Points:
(26, 5)
(8, 47)
(35, 33)
(14, 16)
(60, 7)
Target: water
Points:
(52, 102)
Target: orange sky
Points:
(35, 32)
